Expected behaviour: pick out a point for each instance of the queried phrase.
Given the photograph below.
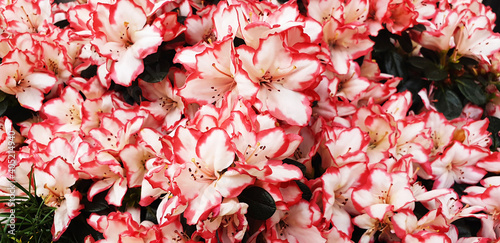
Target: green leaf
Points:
(430, 54)
(467, 61)
(456, 66)
(431, 70)
(405, 42)
(435, 74)
(2, 96)
(261, 205)
(421, 62)
(382, 41)
(90, 72)
(153, 75)
(3, 106)
(494, 128)
(306, 191)
(419, 27)
(393, 63)
(448, 103)
(98, 203)
(472, 91)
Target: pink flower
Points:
(214, 64)
(66, 111)
(53, 185)
(202, 175)
(381, 193)
(475, 39)
(164, 104)
(123, 36)
(121, 227)
(18, 78)
(294, 225)
(277, 76)
(346, 43)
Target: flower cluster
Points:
(252, 121)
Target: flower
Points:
(123, 36)
(18, 78)
(277, 82)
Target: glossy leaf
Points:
(472, 91)
(261, 205)
(448, 103)
(494, 128)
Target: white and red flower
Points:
(124, 37)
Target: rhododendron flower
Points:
(457, 164)
(53, 185)
(249, 121)
(339, 39)
(230, 224)
(108, 174)
(164, 105)
(215, 65)
(337, 187)
(203, 175)
(382, 193)
(260, 154)
(18, 78)
(26, 16)
(475, 40)
(66, 111)
(121, 227)
(123, 36)
(294, 225)
(277, 76)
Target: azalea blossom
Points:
(17, 78)
(249, 121)
(123, 36)
(277, 82)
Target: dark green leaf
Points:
(306, 191)
(430, 54)
(467, 227)
(181, 19)
(382, 41)
(494, 128)
(90, 72)
(261, 204)
(448, 103)
(421, 63)
(472, 91)
(62, 24)
(419, 27)
(405, 42)
(98, 203)
(3, 106)
(153, 74)
(414, 85)
(301, 166)
(2, 96)
(393, 64)
(468, 61)
(435, 74)
(456, 66)
(316, 162)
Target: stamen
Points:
(220, 71)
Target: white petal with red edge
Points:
(127, 68)
(285, 104)
(69, 209)
(215, 149)
(202, 205)
(231, 183)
